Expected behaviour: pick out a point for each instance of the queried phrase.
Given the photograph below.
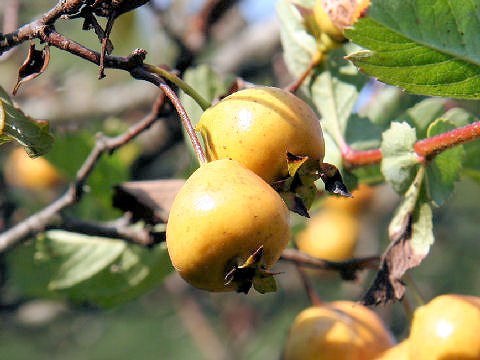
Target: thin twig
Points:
(292, 87)
(116, 230)
(204, 104)
(141, 73)
(346, 268)
(37, 222)
(311, 293)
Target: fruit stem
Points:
(417, 295)
(312, 294)
(293, 86)
(204, 104)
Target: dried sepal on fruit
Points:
(227, 228)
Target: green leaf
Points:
(471, 162)
(399, 160)
(102, 271)
(423, 114)
(335, 91)
(428, 47)
(399, 222)
(78, 257)
(459, 117)
(362, 134)
(422, 235)
(444, 170)
(110, 170)
(15, 125)
(299, 46)
(264, 283)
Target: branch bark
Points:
(347, 269)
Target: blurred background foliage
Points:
(175, 321)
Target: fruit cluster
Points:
(228, 226)
(446, 328)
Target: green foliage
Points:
(299, 46)
(445, 169)
(87, 269)
(399, 159)
(109, 171)
(15, 125)
(427, 47)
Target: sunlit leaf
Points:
(15, 125)
(444, 170)
(427, 47)
(399, 159)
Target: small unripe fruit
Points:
(448, 327)
(258, 126)
(222, 215)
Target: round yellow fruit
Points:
(258, 126)
(326, 333)
(330, 235)
(398, 352)
(222, 215)
(23, 171)
(448, 327)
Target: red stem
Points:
(436, 144)
(425, 149)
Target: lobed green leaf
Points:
(399, 160)
(444, 170)
(87, 269)
(428, 47)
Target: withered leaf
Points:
(149, 201)
(410, 238)
(35, 64)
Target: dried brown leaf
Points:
(149, 201)
(34, 65)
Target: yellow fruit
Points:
(330, 235)
(23, 171)
(326, 333)
(398, 352)
(361, 199)
(375, 336)
(258, 126)
(220, 217)
(446, 328)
